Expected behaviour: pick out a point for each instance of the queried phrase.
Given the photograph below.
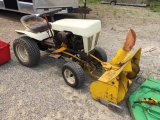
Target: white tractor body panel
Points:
(88, 29)
(82, 27)
(37, 36)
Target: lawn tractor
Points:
(76, 40)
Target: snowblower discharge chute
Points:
(115, 81)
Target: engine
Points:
(72, 41)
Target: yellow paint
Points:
(113, 85)
(96, 58)
(123, 87)
(106, 91)
(59, 50)
(136, 55)
(121, 54)
(63, 48)
(67, 53)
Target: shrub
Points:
(155, 5)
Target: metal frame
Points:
(35, 7)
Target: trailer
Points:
(127, 2)
(42, 6)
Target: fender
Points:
(37, 36)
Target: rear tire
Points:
(27, 51)
(73, 74)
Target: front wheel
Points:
(73, 74)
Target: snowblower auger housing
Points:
(114, 83)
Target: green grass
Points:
(155, 5)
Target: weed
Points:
(155, 5)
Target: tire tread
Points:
(77, 69)
(32, 49)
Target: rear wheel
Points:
(73, 74)
(26, 50)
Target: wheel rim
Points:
(113, 3)
(22, 53)
(69, 76)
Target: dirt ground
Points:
(40, 93)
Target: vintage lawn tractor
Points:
(76, 39)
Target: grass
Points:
(155, 5)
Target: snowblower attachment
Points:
(115, 81)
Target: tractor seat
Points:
(35, 23)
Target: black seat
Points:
(35, 23)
